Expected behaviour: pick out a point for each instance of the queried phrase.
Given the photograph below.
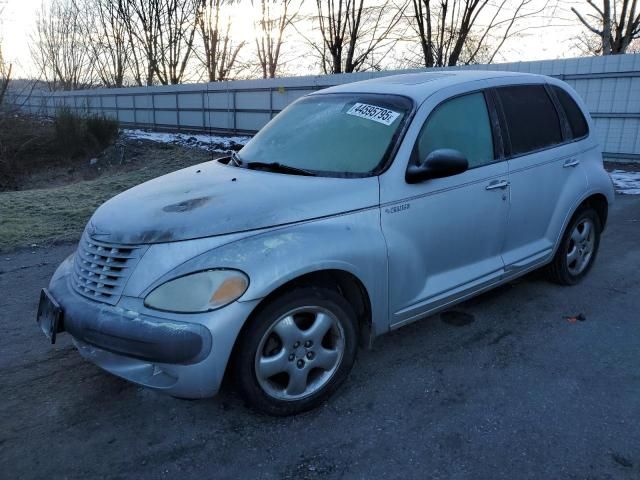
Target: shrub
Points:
(104, 130)
(23, 140)
(78, 135)
(70, 133)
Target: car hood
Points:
(216, 199)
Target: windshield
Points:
(331, 134)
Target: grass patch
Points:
(45, 216)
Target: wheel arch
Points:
(599, 203)
(345, 282)
(596, 200)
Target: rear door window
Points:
(531, 118)
(577, 122)
(462, 124)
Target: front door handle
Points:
(572, 162)
(497, 184)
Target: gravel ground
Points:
(520, 392)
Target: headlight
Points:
(198, 292)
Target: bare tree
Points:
(178, 21)
(275, 17)
(220, 52)
(161, 35)
(5, 76)
(615, 23)
(466, 31)
(141, 21)
(353, 33)
(5, 68)
(59, 48)
(106, 36)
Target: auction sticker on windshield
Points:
(371, 112)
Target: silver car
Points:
(356, 210)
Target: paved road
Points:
(518, 393)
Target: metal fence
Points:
(609, 85)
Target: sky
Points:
(548, 38)
(18, 21)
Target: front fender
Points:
(351, 242)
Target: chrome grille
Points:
(102, 269)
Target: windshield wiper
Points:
(235, 158)
(279, 167)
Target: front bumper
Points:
(182, 358)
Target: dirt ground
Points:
(520, 392)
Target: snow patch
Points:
(627, 183)
(210, 143)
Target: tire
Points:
(578, 248)
(296, 351)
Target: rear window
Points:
(577, 122)
(532, 120)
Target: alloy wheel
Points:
(581, 246)
(299, 354)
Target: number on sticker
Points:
(371, 112)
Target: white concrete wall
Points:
(609, 85)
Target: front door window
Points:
(462, 124)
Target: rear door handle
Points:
(497, 184)
(572, 162)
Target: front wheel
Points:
(578, 249)
(296, 351)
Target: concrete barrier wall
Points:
(609, 85)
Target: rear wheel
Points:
(578, 249)
(296, 351)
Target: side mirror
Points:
(440, 163)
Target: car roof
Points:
(419, 86)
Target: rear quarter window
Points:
(531, 118)
(575, 117)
